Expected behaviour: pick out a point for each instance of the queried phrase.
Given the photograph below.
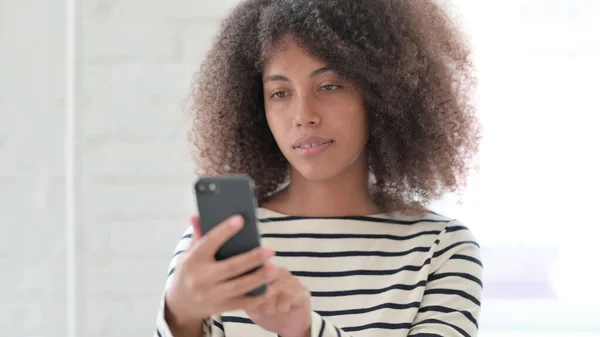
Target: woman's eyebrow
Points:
(281, 78)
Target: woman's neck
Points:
(345, 194)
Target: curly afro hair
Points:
(409, 59)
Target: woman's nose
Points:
(306, 114)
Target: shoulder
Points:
(424, 217)
(456, 244)
(454, 239)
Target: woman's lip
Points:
(312, 144)
(314, 150)
(310, 140)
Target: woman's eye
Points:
(330, 87)
(279, 95)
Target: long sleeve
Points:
(450, 305)
(323, 328)
(211, 327)
(452, 299)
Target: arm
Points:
(163, 328)
(322, 328)
(452, 299)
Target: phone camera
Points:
(207, 188)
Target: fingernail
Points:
(267, 253)
(236, 222)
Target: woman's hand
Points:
(203, 287)
(287, 310)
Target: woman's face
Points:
(318, 119)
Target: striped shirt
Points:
(369, 276)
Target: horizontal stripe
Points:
(447, 310)
(460, 243)
(425, 335)
(235, 319)
(355, 218)
(452, 292)
(434, 277)
(171, 272)
(466, 258)
(451, 229)
(242, 320)
(368, 291)
(437, 321)
(394, 306)
(354, 253)
(345, 273)
(347, 236)
(386, 326)
(340, 236)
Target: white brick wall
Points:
(136, 62)
(32, 269)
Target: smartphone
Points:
(220, 197)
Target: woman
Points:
(350, 116)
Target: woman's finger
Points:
(212, 240)
(243, 263)
(241, 302)
(291, 292)
(282, 287)
(244, 284)
(216, 237)
(284, 302)
(257, 308)
(195, 221)
(268, 307)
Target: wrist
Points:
(306, 333)
(183, 327)
(180, 329)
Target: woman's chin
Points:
(315, 172)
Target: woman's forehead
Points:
(292, 57)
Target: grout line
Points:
(71, 167)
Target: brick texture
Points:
(32, 285)
(137, 59)
(137, 62)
